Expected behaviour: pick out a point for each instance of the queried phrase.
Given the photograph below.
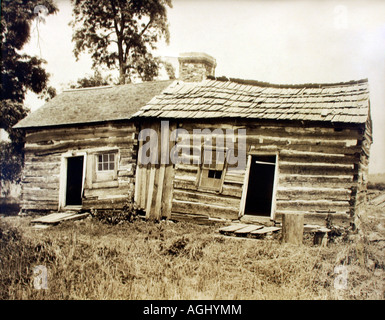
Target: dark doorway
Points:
(261, 184)
(74, 181)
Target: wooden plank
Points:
(248, 229)
(79, 144)
(265, 146)
(159, 192)
(319, 205)
(54, 217)
(205, 197)
(316, 168)
(265, 230)
(303, 193)
(167, 191)
(245, 186)
(143, 191)
(315, 157)
(232, 191)
(125, 129)
(150, 195)
(233, 227)
(168, 181)
(207, 209)
(138, 180)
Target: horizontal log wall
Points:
(317, 168)
(317, 171)
(43, 154)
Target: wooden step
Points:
(58, 217)
(265, 230)
(233, 227)
(248, 229)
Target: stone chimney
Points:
(196, 66)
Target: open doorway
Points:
(74, 183)
(260, 189)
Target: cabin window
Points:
(106, 162)
(105, 166)
(212, 168)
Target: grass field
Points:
(89, 259)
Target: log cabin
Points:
(298, 148)
(274, 149)
(80, 149)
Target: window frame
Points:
(108, 161)
(102, 176)
(203, 169)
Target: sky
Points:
(286, 42)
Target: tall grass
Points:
(92, 260)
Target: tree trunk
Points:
(122, 76)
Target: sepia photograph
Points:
(192, 156)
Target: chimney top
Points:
(196, 66)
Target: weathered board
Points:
(265, 230)
(248, 229)
(55, 218)
(233, 228)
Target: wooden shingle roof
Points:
(346, 102)
(97, 104)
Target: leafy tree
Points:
(121, 34)
(96, 80)
(19, 73)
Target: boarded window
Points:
(212, 168)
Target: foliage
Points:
(169, 69)
(129, 213)
(121, 34)
(48, 93)
(19, 72)
(96, 80)
(10, 163)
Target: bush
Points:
(129, 213)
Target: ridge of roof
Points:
(87, 88)
(274, 85)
